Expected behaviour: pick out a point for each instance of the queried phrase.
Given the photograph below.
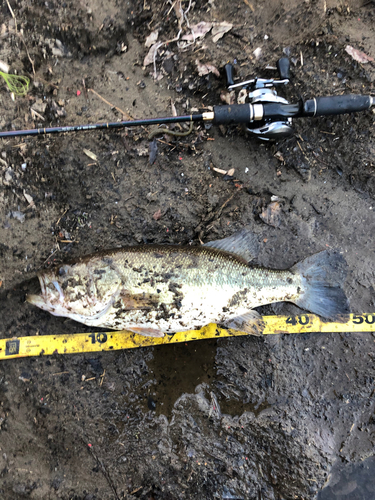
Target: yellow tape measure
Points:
(42, 345)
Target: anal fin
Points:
(147, 332)
(251, 322)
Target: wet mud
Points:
(282, 417)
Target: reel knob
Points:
(283, 67)
(229, 72)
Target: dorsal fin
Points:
(244, 243)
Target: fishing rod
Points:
(266, 115)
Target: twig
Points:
(21, 36)
(27, 52)
(61, 216)
(105, 473)
(52, 254)
(128, 117)
(12, 13)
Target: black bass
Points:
(155, 289)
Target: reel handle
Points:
(229, 73)
(283, 67)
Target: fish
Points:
(154, 290)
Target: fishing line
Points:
(44, 345)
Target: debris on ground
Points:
(358, 55)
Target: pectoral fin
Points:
(250, 322)
(147, 332)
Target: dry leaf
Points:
(152, 38)
(4, 67)
(197, 31)
(279, 156)
(228, 97)
(90, 154)
(357, 55)
(157, 215)
(230, 172)
(242, 96)
(219, 170)
(149, 59)
(29, 199)
(174, 111)
(205, 69)
(219, 30)
(179, 13)
(271, 215)
(257, 53)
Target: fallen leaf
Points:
(230, 172)
(357, 55)
(257, 53)
(179, 13)
(219, 30)
(157, 215)
(152, 38)
(271, 215)
(197, 31)
(205, 69)
(242, 96)
(228, 97)
(149, 59)
(29, 199)
(90, 154)
(219, 170)
(20, 216)
(174, 110)
(153, 151)
(279, 156)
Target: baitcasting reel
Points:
(261, 91)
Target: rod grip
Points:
(336, 105)
(234, 113)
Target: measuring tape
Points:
(43, 345)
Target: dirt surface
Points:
(242, 418)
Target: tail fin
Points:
(322, 276)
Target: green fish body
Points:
(155, 289)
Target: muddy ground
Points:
(283, 417)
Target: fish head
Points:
(52, 297)
(74, 291)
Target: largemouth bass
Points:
(154, 289)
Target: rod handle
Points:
(232, 114)
(337, 105)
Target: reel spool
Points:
(263, 91)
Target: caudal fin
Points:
(322, 277)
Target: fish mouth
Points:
(37, 297)
(48, 296)
(39, 294)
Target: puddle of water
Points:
(234, 407)
(351, 482)
(178, 369)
